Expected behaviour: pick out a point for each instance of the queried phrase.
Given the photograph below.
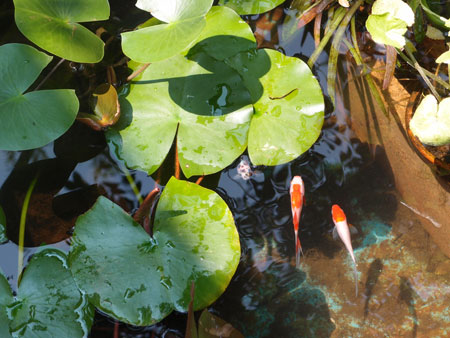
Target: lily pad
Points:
(431, 121)
(185, 21)
(203, 98)
(3, 237)
(289, 114)
(36, 118)
(6, 298)
(389, 21)
(244, 7)
(48, 303)
(53, 26)
(140, 279)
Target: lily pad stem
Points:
(132, 184)
(138, 71)
(422, 73)
(146, 205)
(199, 180)
(23, 217)
(177, 164)
(50, 74)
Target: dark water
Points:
(403, 278)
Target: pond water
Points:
(403, 278)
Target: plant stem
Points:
(177, 163)
(339, 14)
(334, 50)
(422, 73)
(199, 180)
(132, 184)
(49, 74)
(23, 217)
(146, 205)
(138, 71)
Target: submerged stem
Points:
(132, 184)
(50, 74)
(23, 217)
(138, 71)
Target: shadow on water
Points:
(374, 272)
(407, 295)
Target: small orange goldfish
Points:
(342, 230)
(297, 192)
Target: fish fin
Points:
(298, 251)
(352, 229)
(355, 272)
(335, 233)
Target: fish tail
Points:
(355, 272)
(298, 251)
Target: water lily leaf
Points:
(389, 21)
(289, 114)
(6, 298)
(244, 7)
(194, 240)
(431, 121)
(48, 303)
(387, 30)
(175, 10)
(36, 118)
(204, 98)
(3, 237)
(185, 21)
(444, 57)
(53, 26)
(231, 37)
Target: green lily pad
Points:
(6, 298)
(444, 57)
(389, 21)
(431, 121)
(244, 7)
(48, 303)
(230, 37)
(185, 21)
(289, 114)
(36, 118)
(3, 237)
(53, 26)
(203, 98)
(140, 279)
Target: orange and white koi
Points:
(342, 230)
(297, 192)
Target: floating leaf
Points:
(444, 57)
(289, 115)
(139, 279)
(179, 93)
(36, 118)
(3, 237)
(185, 21)
(48, 303)
(52, 25)
(244, 7)
(389, 21)
(106, 108)
(6, 298)
(431, 121)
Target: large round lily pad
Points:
(244, 7)
(53, 26)
(36, 118)
(289, 114)
(184, 21)
(140, 279)
(203, 98)
(48, 303)
(6, 298)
